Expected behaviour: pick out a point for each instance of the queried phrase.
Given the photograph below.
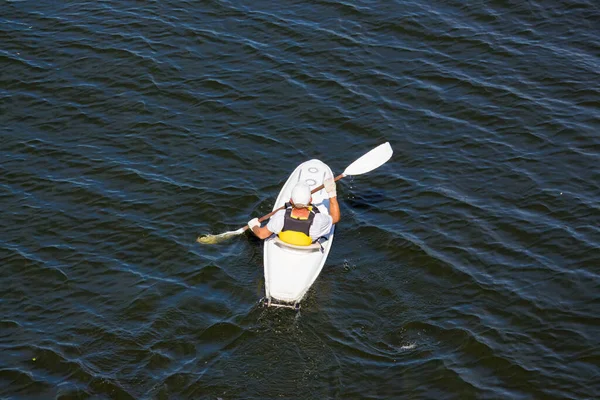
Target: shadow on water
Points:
(366, 199)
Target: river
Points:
(467, 266)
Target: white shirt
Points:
(321, 225)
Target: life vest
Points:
(295, 229)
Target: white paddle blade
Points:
(373, 159)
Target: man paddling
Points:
(301, 223)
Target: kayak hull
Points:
(291, 270)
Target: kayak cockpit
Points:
(311, 248)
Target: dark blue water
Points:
(468, 266)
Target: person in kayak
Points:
(301, 223)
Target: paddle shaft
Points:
(315, 190)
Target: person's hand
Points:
(252, 223)
(329, 185)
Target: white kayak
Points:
(291, 270)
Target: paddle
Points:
(368, 162)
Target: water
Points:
(465, 267)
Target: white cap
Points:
(301, 194)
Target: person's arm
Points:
(334, 207)
(274, 226)
(260, 232)
(334, 210)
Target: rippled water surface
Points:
(468, 266)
